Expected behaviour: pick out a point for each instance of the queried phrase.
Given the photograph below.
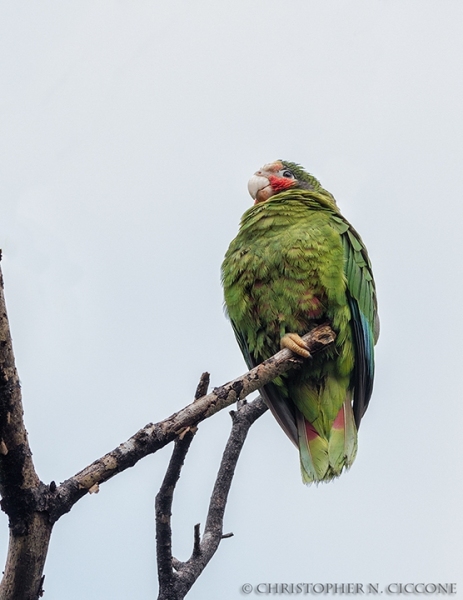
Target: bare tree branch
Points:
(175, 585)
(34, 507)
(165, 496)
(17, 470)
(155, 436)
(163, 511)
(22, 492)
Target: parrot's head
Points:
(277, 177)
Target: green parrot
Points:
(296, 263)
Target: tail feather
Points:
(313, 451)
(350, 436)
(324, 458)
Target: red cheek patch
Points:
(280, 184)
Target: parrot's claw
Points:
(294, 342)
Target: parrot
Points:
(297, 263)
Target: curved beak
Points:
(260, 188)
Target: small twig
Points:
(41, 591)
(197, 540)
(203, 385)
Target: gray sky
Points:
(128, 133)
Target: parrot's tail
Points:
(324, 458)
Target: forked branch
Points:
(176, 578)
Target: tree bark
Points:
(23, 578)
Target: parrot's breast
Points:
(283, 273)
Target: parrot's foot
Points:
(294, 342)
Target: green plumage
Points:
(296, 263)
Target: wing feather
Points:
(282, 410)
(365, 323)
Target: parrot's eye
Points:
(288, 174)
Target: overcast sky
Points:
(128, 133)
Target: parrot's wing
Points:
(365, 321)
(243, 345)
(281, 409)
